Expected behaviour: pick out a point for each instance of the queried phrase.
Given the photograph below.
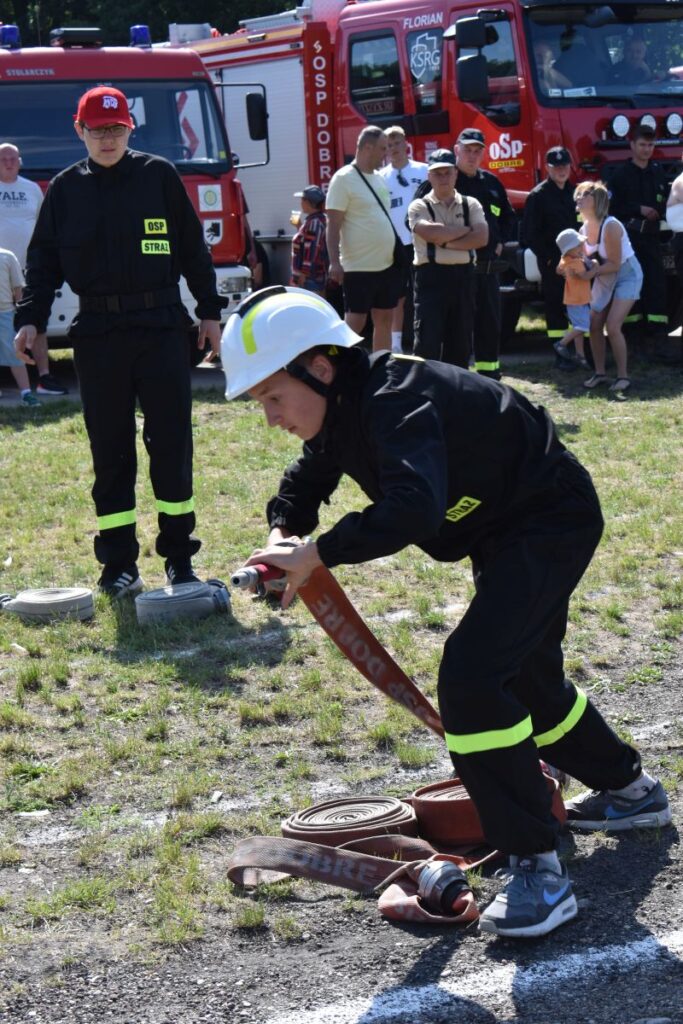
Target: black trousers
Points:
(444, 311)
(503, 695)
(652, 305)
(487, 324)
(552, 287)
(115, 370)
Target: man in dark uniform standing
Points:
(549, 209)
(639, 190)
(500, 217)
(460, 466)
(119, 228)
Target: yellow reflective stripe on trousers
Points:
(176, 508)
(475, 742)
(116, 519)
(553, 735)
(487, 366)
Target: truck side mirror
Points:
(470, 33)
(257, 116)
(473, 82)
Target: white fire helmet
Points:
(271, 328)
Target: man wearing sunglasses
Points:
(119, 228)
(402, 176)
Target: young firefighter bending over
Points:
(458, 465)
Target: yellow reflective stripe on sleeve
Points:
(553, 735)
(175, 508)
(495, 739)
(116, 519)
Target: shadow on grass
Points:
(212, 654)
(18, 418)
(649, 381)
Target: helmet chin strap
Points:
(299, 372)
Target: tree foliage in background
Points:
(35, 20)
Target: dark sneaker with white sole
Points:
(535, 901)
(607, 812)
(49, 385)
(117, 582)
(180, 572)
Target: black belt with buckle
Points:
(129, 303)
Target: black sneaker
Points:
(180, 571)
(49, 385)
(117, 582)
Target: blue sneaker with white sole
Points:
(606, 812)
(535, 901)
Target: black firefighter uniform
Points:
(461, 465)
(121, 237)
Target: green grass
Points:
(123, 734)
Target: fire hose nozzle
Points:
(442, 885)
(255, 576)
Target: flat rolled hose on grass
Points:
(341, 821)
(50, 603)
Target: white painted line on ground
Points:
(506, 982)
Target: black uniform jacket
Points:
(547, 211)
(632, 187)
(448, 459)
(499, 214)
(121, 230)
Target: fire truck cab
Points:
(174, 108)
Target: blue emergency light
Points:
(140, 36)
(9, 37)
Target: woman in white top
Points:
(617, 279)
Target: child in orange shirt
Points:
(577, 295)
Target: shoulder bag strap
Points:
(379, 201)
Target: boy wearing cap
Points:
(309, 248)
(447, 229)
(119, 228)
(501, 220)
(548, 210)
(577, 295)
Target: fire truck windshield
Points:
(621, 53)
(178, 120)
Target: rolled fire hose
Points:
(182, 601)
(341, 821)
(50, 603)
(409, 886)
(331, 608)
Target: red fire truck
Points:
(435, 66)
(174, 108)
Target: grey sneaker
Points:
(117, 582)
(606, 812)
(535, 901)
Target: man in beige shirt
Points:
(447, 229)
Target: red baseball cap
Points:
(103, 105)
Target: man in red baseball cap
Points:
(119, 228)
(104, 123)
